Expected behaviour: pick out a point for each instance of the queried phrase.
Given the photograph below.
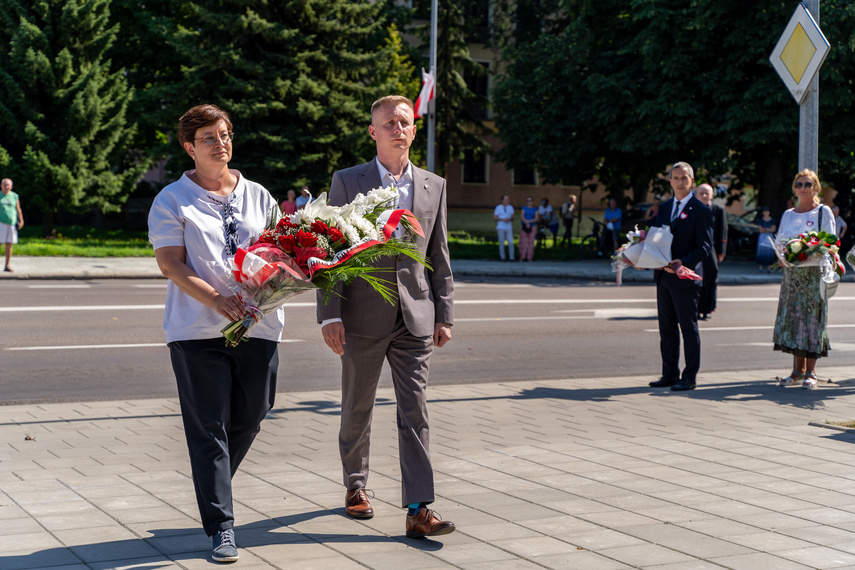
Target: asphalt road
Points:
(100, 340)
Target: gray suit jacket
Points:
(425, 297)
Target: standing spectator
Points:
(568, 210)
(709, 288)
(528, 227)
(304, 197)
(547, 220)
(504, 216)
(765, 250)
(677, 299)
(366, 331)
(839, 223)
(800, 325)
(195, 225)
(289, 204)
(11, 219)
(612, 218)
(652, 211)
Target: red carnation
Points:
(802, 256)
(306, 239)
(284, 224)
(319, 227)
(287, 243)
(335, 235)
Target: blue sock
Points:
(414, 508)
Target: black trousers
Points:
(678, 316)
(224, 394)
(709, 289)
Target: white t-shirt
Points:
(184, 214)
(504, 212)
(794, 224)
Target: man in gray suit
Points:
(363, 329)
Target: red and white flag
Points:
(426, 94)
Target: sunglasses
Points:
(805, 184)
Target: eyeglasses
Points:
(230, 229)
(806, 184)
(211, 140)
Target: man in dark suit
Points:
(709, 291)
(677, 299)
(365, 330)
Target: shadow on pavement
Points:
(192, 544)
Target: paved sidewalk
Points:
(732, 272)
(597, 475)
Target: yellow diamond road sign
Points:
(799, 53)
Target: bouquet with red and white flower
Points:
(319, 247)
(648, 249)
(812, 249)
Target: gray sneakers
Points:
(225, 549)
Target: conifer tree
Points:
(297, 78)
(63, 109)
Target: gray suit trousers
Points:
(362, 363)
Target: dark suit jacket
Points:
(693, 237)
(719, 229)
(425, 297)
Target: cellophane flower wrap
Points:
(320, 247)
(648, 249)
(812, 249)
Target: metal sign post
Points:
(800, 52)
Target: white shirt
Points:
(504, 213)
(679, 205)
(793, 223)
(185, 214)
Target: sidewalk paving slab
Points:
(592, 474)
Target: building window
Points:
(474, 167)
(477, 15)
(525, 177)
(479, 83)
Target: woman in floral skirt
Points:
(800, 327)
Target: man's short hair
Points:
(5, 180)
(706, 186)
(685, 166)
(389, 100)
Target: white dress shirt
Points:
(679, 205)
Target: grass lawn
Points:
(472, 235)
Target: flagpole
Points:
(431, 134)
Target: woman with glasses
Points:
(800, 327)
(195, 225)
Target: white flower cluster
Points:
(350, 218)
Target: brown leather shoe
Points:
(356, 504)
(427, 523)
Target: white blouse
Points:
(793, 223)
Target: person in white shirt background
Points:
(504, 216)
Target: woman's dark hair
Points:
(197, 118)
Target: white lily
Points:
(318, 208)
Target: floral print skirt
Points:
(800, 327)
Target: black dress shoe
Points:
(682, 386)
(663, 383)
